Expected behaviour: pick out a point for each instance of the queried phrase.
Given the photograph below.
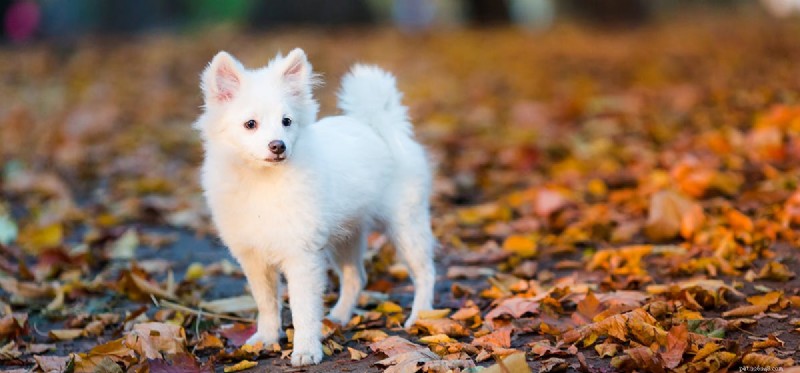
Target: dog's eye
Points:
(250, 124)
(287, 121)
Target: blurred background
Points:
(59, 20)
(98, 96)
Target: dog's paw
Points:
(339, 317)
(307, 355)
(265, 338)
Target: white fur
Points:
(342, 177)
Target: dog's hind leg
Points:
(348, 261)
(412, 236)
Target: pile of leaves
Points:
(604, 201)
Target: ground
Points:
(605, 200)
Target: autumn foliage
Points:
(604, 201)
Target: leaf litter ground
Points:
(605, 201)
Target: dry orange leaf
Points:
(677, 343)
(498, 338)
(449, 327)
(754, 359)
(745, 311)
(523, 246)
(671, 214)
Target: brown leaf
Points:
(52, 364)
(671, 214)
(152, 339)
(181, 363)
(13, 325)
(513, 308)
(677, 342)
(640, 358)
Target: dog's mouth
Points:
(277, 159)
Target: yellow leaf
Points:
(194, 272)
(767, 299)
(437, 338)
(370, 335)
(242, 365)
(389, 307)
(521, 245)
(512, 363)
(434, 314)
(776, 272)
(36, 239)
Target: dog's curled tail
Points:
(370, 94)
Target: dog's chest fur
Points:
(269, 212)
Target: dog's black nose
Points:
(277, 146)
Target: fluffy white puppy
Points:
(291, 195)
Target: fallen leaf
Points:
(242, 365)
(677, 343)
(356, 355)
(370, 335)
(65, 334)
(745, 311)
(238, 333)
(521, 245)
(512, 363)
(498, 338)
(761, 360)
(449, 327)
(513, 308)
(671, 214)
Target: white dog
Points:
(290, 194)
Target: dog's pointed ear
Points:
(296, 72)
(222, 79)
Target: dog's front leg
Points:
(264, 281)
(306, 275)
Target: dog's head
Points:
(257, 115)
